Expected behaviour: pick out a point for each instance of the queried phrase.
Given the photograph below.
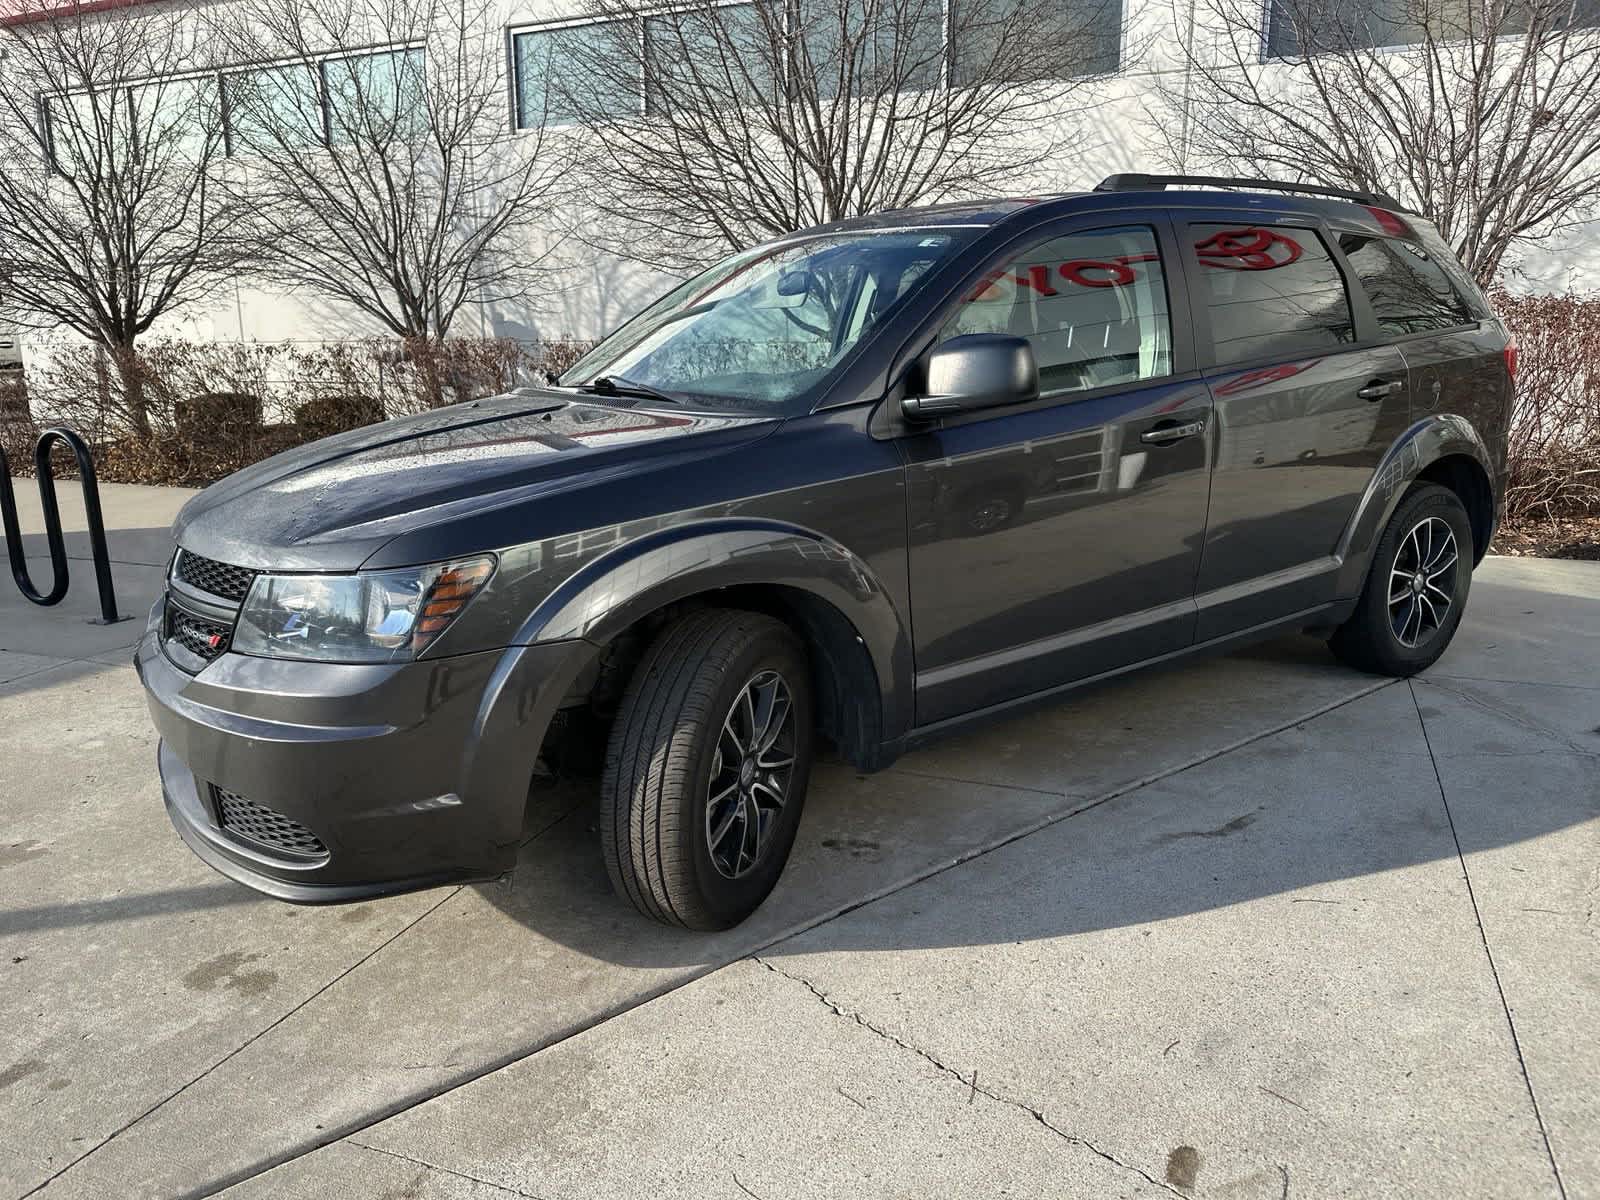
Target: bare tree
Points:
(373, 135)
(717, 125)
(112, 209)
(1484, 114)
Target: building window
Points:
(1271, 292)
(1299, 27)
(291, 106)
(375, 97)
(157, 121)
(554, 82)
(1088, 37)
(270, 107)
(724, 46)
(903, 44)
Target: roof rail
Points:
(1156, 183)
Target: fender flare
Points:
(1426, 442)
(608, 595)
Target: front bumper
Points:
(399, 776)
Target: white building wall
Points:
(1107, 128)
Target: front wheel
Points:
(707, 767)
(1416, 588)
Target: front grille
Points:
(253, 822)
(214, 578)
(200, 637)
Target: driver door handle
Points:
(1163, 435)
(1380, 388)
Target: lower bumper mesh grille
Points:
(261, 825)
(200, 637)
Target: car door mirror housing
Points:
(976, 371)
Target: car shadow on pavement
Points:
(1307, 812)
(223, 893)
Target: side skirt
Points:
(1323, 616)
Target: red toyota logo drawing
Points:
(1248, 250)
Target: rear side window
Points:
(1409, 291)
(1271, 292)
(1093, 304)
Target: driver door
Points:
(1060, 539)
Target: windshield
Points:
(763, 329)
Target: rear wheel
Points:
(707, 768)
(1416, 588)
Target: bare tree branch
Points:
(113, 207)
(713, 126)
(373, 136)
(1484, 114)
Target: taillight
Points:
(1511, 355)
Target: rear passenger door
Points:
(1305, 408)
(1423, 303)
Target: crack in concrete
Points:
(428, 1166)
(1435, 676)
(970, 1081)
(1483, 936)
(1521, 720)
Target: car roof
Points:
(991, 212)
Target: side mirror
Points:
(794, 283)
(973, 371)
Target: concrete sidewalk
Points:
(1253, 927)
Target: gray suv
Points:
(862, 486)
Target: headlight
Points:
(372, 616)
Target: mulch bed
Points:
(1567, 537)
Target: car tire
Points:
(1416, 591)
(700, 799)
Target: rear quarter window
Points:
(1409, 290)
(1270, 292)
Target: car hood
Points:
(332, 504)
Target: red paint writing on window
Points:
(1248, 250)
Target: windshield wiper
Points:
(616, 385)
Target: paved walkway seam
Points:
(1483, 936)
(260, 1033)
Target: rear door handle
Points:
(1379, 388)
(1163, 435)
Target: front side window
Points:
(764, 329)
(1271, 292)
(1408, 290)
(1094, 306)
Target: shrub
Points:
(213, 408)
(1554, 453)
(324, 416)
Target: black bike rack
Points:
(52, 525)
